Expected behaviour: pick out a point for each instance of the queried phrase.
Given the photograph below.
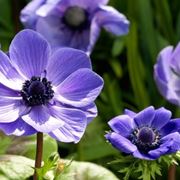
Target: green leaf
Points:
(86, 171)
(118, 46)
(4, 143)
(26, 146)
(93, 145)
(14, 167)
(49, 164)
(136, 69)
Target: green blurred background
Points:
(126, 64)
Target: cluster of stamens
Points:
(37, 91)
(145, 138)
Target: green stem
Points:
(39, 151)
(172, 172)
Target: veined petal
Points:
(11, 110)
(145, 117)
(80, 89)
(112, 20)
(64, 62)
(29, 53)
(122, 125)
(121, 143)
(17, 128)
(7, 92)
(8, 75)
(162, 117)
(90, 111)
(75, 123)
(41, 119)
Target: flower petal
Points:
(8, 75)
(87, 4)
(140, 155)
(145, 117)
(122, 125)
(41, 119)
(57, 34)
(121, 143)
(112, 20)
(162, 117)
(7, 92)
(162, 68)
(94, 34)
(80, 40)
(170, 144)
(48, 7)
(64, 62)
(29, 53)
(130, 113)
(172, 126)
(80, 89)
(90, 112)
(175, 59)
(11, 110)
(75, 123)
(17, 128)
(164, 76)
(28, 14)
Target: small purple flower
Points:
(46, 92)
(167, 74)
(73, 23)
(148, 134)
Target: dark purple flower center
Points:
(37, 91)
(145, 139)
(76, 18)
(146, 135)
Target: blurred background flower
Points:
(167, 74)
(73, 23)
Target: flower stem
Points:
(172, 172)
(39, 151)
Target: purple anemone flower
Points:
(73, 23)
(167, 74)
(148, 134)
(46, 92)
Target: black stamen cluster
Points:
(145, 146)
(37, 91)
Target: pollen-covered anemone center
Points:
(37, 91)
(145, 138)
(76, 17)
